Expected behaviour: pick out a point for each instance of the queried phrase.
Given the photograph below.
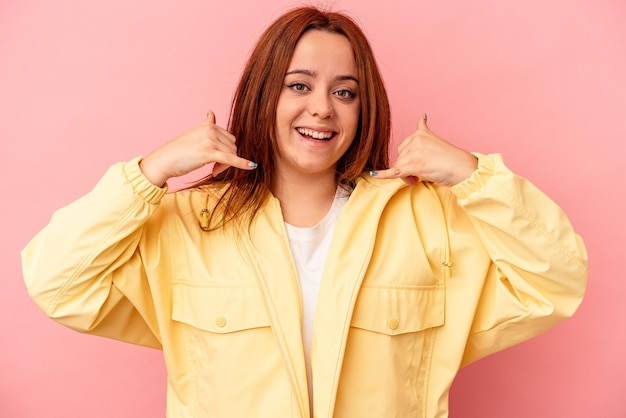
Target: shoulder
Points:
(397, 190)
(393, 201)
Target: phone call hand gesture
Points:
(203, 144)
(425, 156)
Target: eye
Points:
(299, 87)
(345, 94)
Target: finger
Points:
(220, 143)
(411, 180)
(225, 160)
(218, 168)
(394, 173)
(390, 173)
(422, 122)
(404, 145)
(220, 134)
(421, 125)
(210, 117)
(224, 135)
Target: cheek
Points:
(286, 110)
(354, 120)
(284, 121)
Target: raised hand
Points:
(201, 145)
(427, 157)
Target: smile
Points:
(322, 136)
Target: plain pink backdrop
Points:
(84, 84)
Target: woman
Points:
(409, 271)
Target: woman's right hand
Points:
(204, 144)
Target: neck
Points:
(305, 199)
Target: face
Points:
(319, 104)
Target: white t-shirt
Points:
(309, 247)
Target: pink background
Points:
(84, 84)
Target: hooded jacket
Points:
(418, 282)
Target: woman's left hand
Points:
(427, 157)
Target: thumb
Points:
(421, 123)
(210, 117)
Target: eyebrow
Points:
(314, 75)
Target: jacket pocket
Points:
(391, 340)
(219, 310)
(223, 355)
(399, 310)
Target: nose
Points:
(321, 105)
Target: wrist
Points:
(141, 185)
(151, 174)
(466, 168)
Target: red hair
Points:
(253, 114)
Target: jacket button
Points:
(393, 323)
(220, 321)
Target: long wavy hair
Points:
(253, 113)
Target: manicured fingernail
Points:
(425, 117)
(373, 173)
(253, 165)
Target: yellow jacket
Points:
(418, 282)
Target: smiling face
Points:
(318, 109)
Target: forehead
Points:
(321, 50)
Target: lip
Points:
(320, 131)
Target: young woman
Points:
(305, 274)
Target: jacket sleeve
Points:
(76, 267)
(539, 264)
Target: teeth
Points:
(315, 134)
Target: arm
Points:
(85, 270)
(539, 269)
(71, 267)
